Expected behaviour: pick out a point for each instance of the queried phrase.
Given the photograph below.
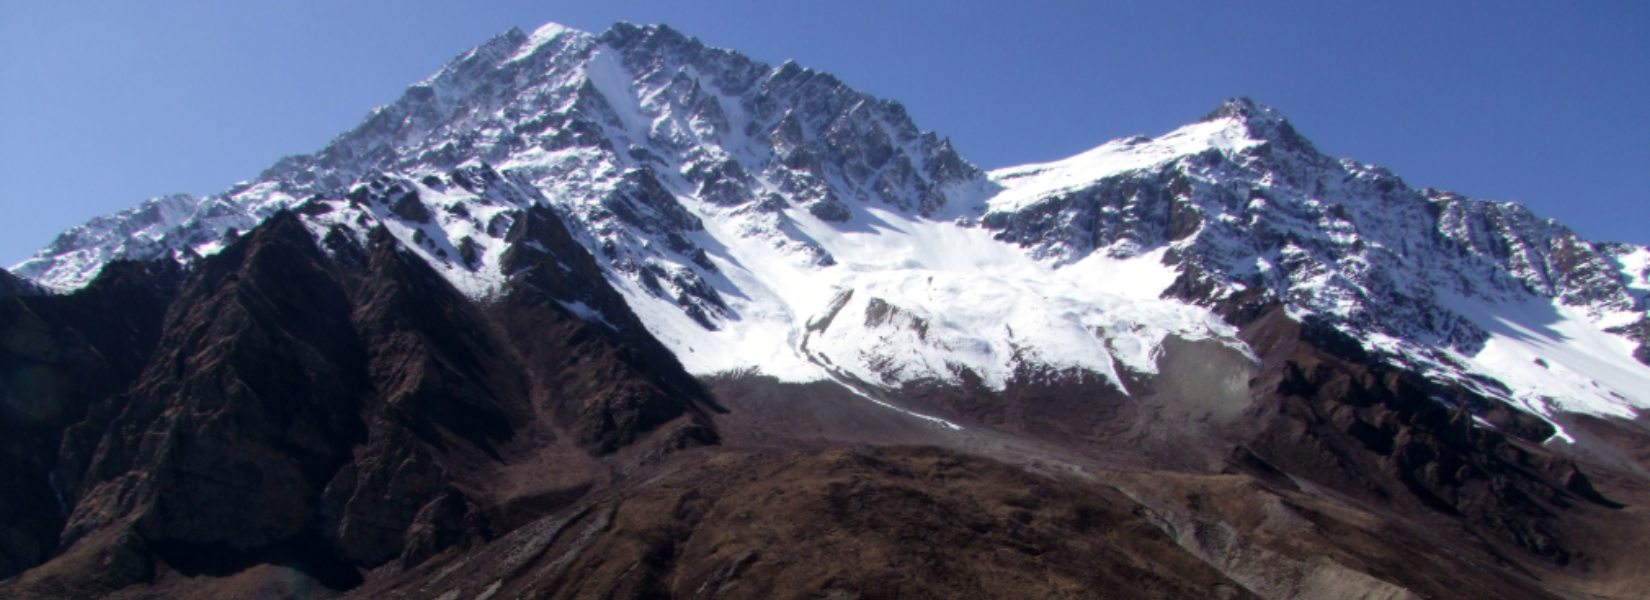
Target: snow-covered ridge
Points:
(1028, 184)
(770, 217)
(1466, 291)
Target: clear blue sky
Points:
(106, 103)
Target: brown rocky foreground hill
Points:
(283, 421)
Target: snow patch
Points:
(585, 312)
(539, 38)
(1555, 360)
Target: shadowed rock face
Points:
(12, 284)
(250, 405)
(288, 408)
(642, 385)
(59, 356)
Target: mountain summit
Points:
(538, 325)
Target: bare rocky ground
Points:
(276, 423)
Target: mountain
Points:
(578, 309)
(733, 203)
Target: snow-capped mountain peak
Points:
(1261, 122)
(770, 217)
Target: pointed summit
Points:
(539, 37)
(1245, 109)
(1263, 123)
(1240, 126)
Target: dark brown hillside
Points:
(891, 522)
(444, 398)
(1378, 434)
(219, 451)
(315, 415)
(59, 356)
(1268, 470)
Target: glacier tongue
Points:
(770, 217)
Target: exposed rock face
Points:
(439, 388)
(1373, 431)
(643, 386)
(302, 411)
(244, 414)
(1638, 331)
(59, 357)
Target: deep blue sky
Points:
(106, 103)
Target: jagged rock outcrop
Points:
(1328, 236)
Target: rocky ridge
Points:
(609, 128)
